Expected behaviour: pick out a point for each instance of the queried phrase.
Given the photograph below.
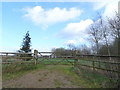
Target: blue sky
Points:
(51, 24)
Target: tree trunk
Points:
(108, 49)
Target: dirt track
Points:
(42, 78)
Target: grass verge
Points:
(84, 80)
(10, 71)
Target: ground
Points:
(49, 77)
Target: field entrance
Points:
(50, 76)
(77, 71)
(49, 58)
(55, 61)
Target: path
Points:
(42, 78)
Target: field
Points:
(50, 73)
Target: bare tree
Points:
(106, 34)
(85, 49)
(73, 49)
(114, 24)
(59, 52)
(95, 35)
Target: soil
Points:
(42, 78)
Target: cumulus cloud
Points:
(71, 42)
(99, 5)
(75, 41)
(76, 33)
(76, 29)
(41, 16)
(111, 8)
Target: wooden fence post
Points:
(99, 64)
(93, 65)
(75, 63)
(35, 56)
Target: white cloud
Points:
(76, 33)
(99, 5)
(71, 42)
(110, 8)
(41, 16)
(76, 41)
(76, 29)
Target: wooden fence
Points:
(92, 61)
(107, 65)
(99, 62)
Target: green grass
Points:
(97, 80)
(55, 61)
(16, 69)
(79, 80)
(10, 71)
(85, 79)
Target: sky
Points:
(50, 24)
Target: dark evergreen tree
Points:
(26, 43)
(26, 46)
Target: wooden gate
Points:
(46, 58)
(49, 58)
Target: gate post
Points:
(35, 56)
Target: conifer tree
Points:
(26, 43)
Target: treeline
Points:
(104, 36)
(72, 50)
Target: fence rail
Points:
(99, 66)
(97, 63)
(99, 59)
